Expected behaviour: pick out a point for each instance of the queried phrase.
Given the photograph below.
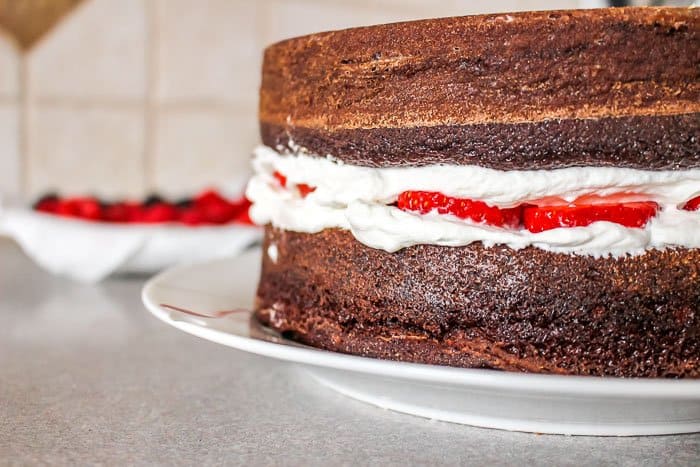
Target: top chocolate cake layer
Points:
(616, 87)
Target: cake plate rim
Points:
(203, 286)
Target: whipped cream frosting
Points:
(358, 199)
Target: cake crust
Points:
(575, 87)
(473, 306)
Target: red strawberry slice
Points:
(477, 211)
(540, 218)
(693, 204)
(303, 188)
(281, 179)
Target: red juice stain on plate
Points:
(216, 314)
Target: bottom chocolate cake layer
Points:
(473, 306)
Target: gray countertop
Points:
(88, 376)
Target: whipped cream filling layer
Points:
(358, 199)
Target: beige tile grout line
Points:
(262, 37)
(149, 104)
(10, 100)
(23, 127)
(134, 104)
(80, 102)
(262, 24)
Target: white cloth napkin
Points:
(90, 251)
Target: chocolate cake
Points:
(516, 191)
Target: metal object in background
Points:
(29, 20)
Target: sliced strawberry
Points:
(305, 189)
(540, 218)
(281, 179)
(477, 211)
(693, 204)
(616, 198)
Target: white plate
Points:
(510, 401)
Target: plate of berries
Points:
(88, 239)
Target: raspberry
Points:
(209, 197)
(83, 208)
(47, 203)
(209, 207)
(191, 216)
(117, 212)
(214, 208)
(136, 212)
(67, 208)
(538, 219)
(218, 213)
(159, 212)
(243, 216)
(693, 204)
(477, 211)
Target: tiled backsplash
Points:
(127, 96)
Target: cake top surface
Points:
(515, 67)
(616, 87)
(439, 27)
